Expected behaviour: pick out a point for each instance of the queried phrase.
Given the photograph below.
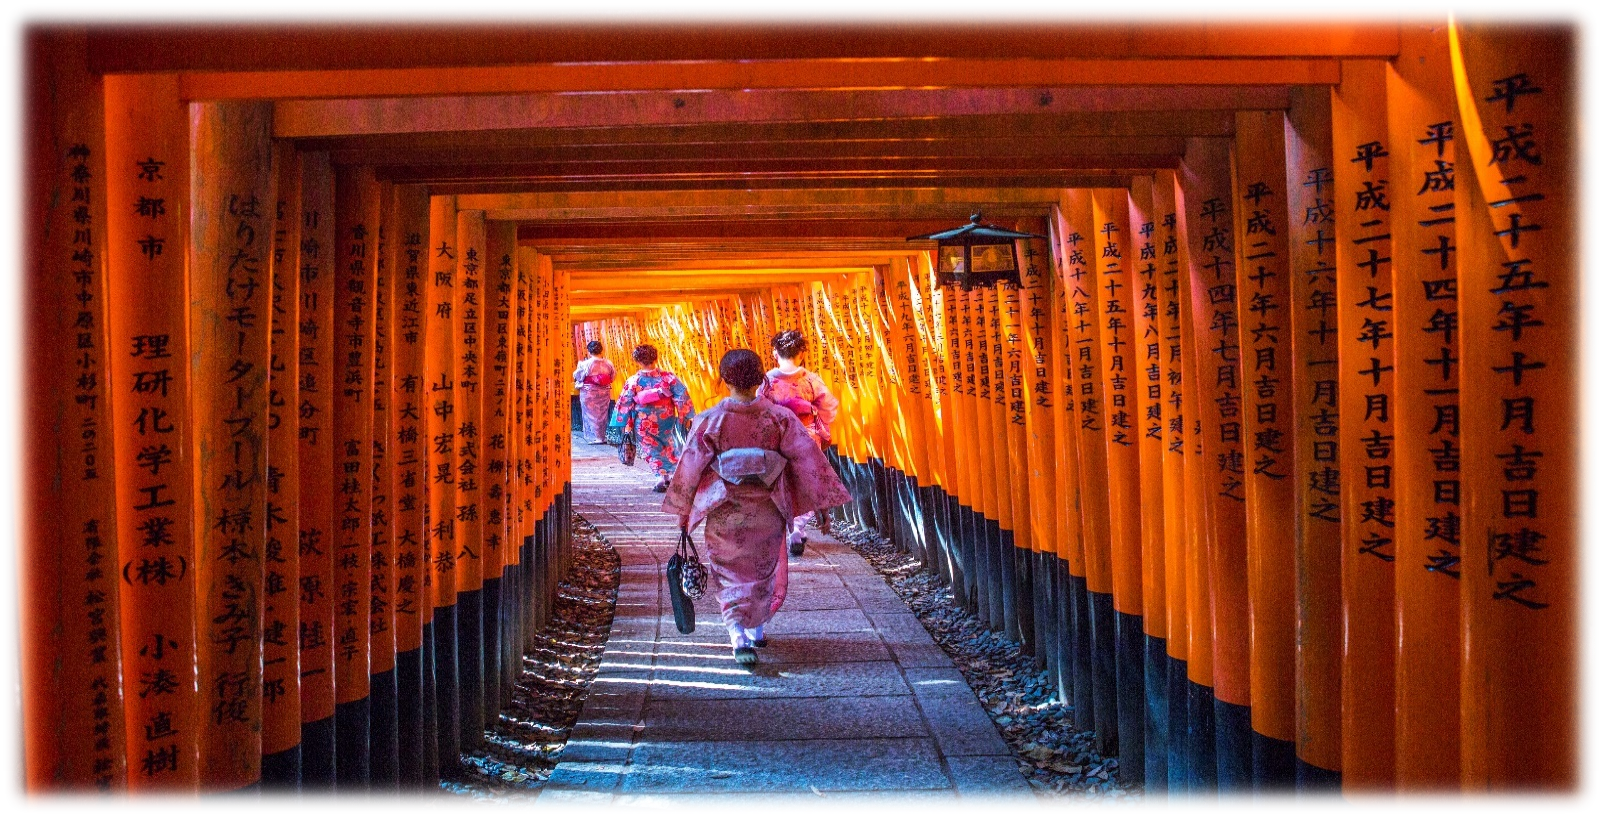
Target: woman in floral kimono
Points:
(802, 392)
(593, 377)
(749, 468)
(652, 406)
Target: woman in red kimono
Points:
(593, 377)
(749, 468)
(652, 406)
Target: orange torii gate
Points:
(1269, 459)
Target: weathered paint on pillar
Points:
(354, 277)
(230, 292)
(1310, 191)
(281, 554)
(1363, 195)
(1516, 222)
(1422, 113)
(1145, 372)
(74, 737)
(147, 203)
(317, 384)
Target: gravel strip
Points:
(523, 746)
(1056, 760)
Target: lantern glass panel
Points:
(992, 258)
(951, 259)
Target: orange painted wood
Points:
(281, 717)
(15, 742)
(1363, 253)
(1316, 426)
(956, 419)
(1422, 110)
(1210, 231)
(231, 235)
(991, 446)
(1084, 314)
(354, 276)
(1119, 371)
(1520, 591)
(467, 319)
(378, 200)
(318, 383)
(439, 397)
(1146, 382)
(1041, 394)
(500, 543)
(1173, 265)
(1200, 474)
(1010, 375)
(930, 304)
(73, 733)
(147, 214)
(1069, 531)
(409, 441)
(1262, 259)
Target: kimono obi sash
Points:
(599, 378)
(648, 397)
(750, 466)
(802, 407)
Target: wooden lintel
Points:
(269, 46)
(798, 74)
(299, 119)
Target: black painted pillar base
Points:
(492, 650)
(1201, 770)
(409, 720)
(1007, 558)
(1084, 697)
(447, 694)
(470, 666)
(353, 728)
(247, 798)
(1273, 765)
(428, 771)
(1316, 781)
(1157, 719)
(1233, 737)
(1104, 671)
(1064, 675)
(280, 771)
(996, 543)
(384, 733)
(317, 755)
(1129, 647)
(971, 540)
(1178, 726)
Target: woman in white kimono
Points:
(749, 468)
(804, 393)
(593, 377)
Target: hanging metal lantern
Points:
(975, 254)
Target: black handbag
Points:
(686, 579)
(625, 451)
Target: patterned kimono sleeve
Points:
(825, 404)
(580, 372)
(812, 482)
(625, 404)
(693, 462)
(681, 401)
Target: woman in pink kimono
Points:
(593, 377)
(802, 392)
(749, 468)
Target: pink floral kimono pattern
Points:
(594, 401)
(746, 523)
(805, 386)
(653, 425)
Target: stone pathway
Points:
(851, 699)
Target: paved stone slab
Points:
(794, 765)
(852, 702)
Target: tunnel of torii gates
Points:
(1269, 461)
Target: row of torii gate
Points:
(1269, 458)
